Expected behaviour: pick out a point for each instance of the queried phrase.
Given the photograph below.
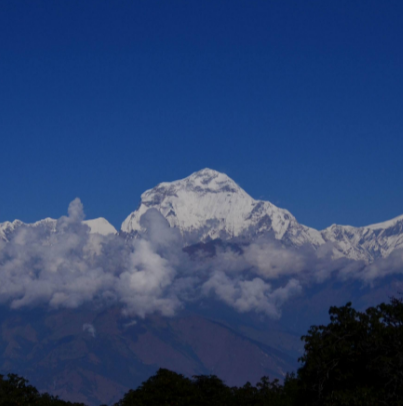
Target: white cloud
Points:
(70, 267)
(90, 329)
(250, 295)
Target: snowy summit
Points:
(209, 205)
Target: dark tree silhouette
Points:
(165, 388)
(357, 359)
(15, 390)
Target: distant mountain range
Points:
(209, 205)
(93, 353)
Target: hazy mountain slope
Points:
(96, 356)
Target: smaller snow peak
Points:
(100, 226)
(16, 223)
(9, 226)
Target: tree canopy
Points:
(357, 359)
(168, 388)
(15, 390)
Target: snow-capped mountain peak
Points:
(100, 226)
(209, 205)
(201, 182)
(210, 181)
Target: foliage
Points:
(169, 388)
(15, 390)
(163, 389)
(357, 359)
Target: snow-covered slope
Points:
(100, 226)
(366, 243)
(209, 205)
(8, 228)
(97, 226)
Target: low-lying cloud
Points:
(90, 329)
(68, 267)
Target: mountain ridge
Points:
(209, 205)
(96, 226)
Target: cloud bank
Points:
(69, 267)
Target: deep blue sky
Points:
(300, 102)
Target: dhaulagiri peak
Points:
(209, 205)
